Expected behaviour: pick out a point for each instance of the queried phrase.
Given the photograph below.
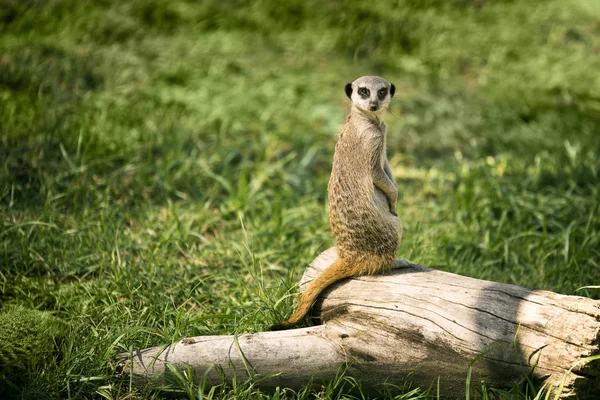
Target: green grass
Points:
(165, 163)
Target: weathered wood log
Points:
(431, 324)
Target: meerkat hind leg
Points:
(402, 263)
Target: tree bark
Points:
(416, 321)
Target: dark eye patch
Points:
(364, 92)
(381, 93)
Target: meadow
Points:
(164, 165)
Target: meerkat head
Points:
(370, 94)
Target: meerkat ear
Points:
(392, 90)
(349, 90)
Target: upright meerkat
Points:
(362, 195)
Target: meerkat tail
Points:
(336, 271)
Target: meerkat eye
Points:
(363, 91)
(382, 93)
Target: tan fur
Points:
(362, 198)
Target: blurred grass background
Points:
(165, 163)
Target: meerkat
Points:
(362, 195)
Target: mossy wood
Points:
(416, 321)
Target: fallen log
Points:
(432, 324)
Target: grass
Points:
(165, 163)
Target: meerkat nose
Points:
(373, 108)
